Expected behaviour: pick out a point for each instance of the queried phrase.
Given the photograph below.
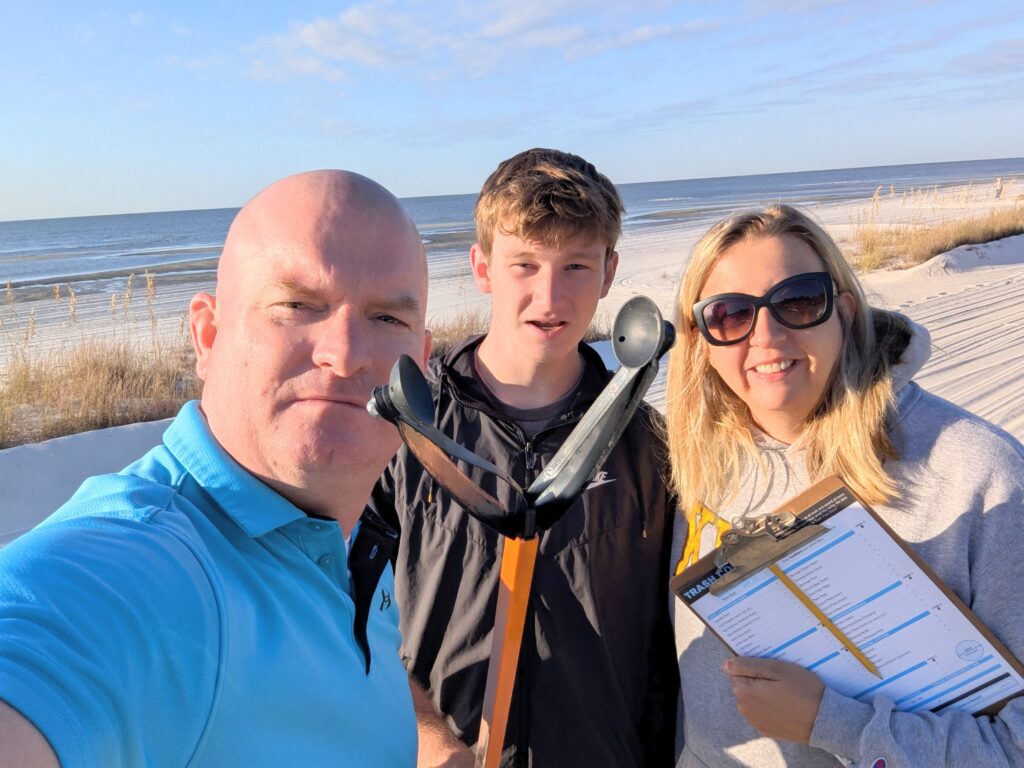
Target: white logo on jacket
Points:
(601, 478)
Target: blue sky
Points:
(121, 107)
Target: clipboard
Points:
(824, 582)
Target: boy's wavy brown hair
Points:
(548, 196)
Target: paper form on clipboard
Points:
(931, 653)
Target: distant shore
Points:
(974, 364)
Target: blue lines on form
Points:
(817, 552)
(961, 684)
(866, 600)
(896, 629)
(945, 679)
(822, 660)
(744, 596)
(897, 676)
(778, 649)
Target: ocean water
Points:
(98, 253)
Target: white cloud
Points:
(341, 128)
(370, 35)
(515, 18)
(764, 7)
(1002, 58)
(433, 39)
(138, 19)
(301, 64)
(642, 35)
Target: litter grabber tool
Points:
(639, 339)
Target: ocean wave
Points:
(164, 270)
(840, 183)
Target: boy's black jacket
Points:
(597, 680)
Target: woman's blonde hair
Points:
(709, 437)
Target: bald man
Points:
(216, 602)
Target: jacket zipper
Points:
(529, 457)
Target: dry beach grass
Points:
(942, 220)
(90, 386)
(53, 389)
(57, 386)
(70, 363)
(906, 245)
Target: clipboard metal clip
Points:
(753, 544)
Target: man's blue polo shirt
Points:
(183, 613)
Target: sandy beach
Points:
(970, 299)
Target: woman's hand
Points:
(778, 698)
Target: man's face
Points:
(542, 297)
(309, 318)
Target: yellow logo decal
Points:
(700, 517)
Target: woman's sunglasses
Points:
(801, 301)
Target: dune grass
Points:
(91, 385)
(907, 245)
(450, 331)
(50, 388)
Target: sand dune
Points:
(972, 302)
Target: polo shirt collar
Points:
(254, 506)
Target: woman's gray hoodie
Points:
(961, 508)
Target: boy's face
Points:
(542, 297)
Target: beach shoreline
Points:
(987, 377)
(968, 299)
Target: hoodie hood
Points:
(914, 355)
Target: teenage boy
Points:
(597, 677)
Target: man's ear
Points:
(202, 323)
(428, 344)
(481, 269)
(610, 265)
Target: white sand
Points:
(36, 479)
(971, 300)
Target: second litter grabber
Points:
(639, 338)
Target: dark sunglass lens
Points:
(728, 319)
(800, 303)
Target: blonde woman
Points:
(783, 375)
